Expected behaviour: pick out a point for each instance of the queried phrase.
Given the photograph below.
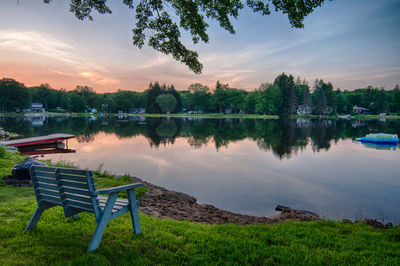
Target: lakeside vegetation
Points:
(285, 97)
(58, 240)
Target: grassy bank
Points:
(369, 117)
(57, 240)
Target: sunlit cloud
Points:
(53, 47)
(37, 43)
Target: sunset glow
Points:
(352, 44)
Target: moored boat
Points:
(381, 138)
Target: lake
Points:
(247, 166)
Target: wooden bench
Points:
(74, 190)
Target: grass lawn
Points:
(57, 240)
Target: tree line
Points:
(285, 96)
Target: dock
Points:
(49, 139)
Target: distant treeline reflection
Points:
(283, 137)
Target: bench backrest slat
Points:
(50, 199)
(66, 187)
(47, 192)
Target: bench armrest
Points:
(117, 189)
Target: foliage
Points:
(220, 96)
(288, 89)
(200, 97)
(283, 99)
(13, 95)
(156, 23)
(167, 102)
(152, 93)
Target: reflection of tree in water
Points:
(197, 143)
(283, 137)
(322, 134)
(85, 138)
(162, 131)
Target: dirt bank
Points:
(160, 202)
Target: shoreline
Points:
(163, 203)
(205, 116)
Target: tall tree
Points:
(320, 102)
(288, 89)
(155, 20)
(152, 93)
(220, 96)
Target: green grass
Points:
(57, 240)
(367, 117)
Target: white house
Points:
(36, 108)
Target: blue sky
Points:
(350, 43)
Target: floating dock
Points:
(49, 139)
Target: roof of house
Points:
(360, 108)
(37, 105)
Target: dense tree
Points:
(178, 107)
(156, 24)
(396, 99)
(46, 95)
(288, 89)
(302, 93)
(235, 99)
(167, 102)
(200, 97)
(152, 93)
(269, 99)
(250, 102)
(87, 94)
(126, 100)
(220, 96)
(320, 101)
(76, 103)
(280, 98)
(13, 95)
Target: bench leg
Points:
(134, 211)
(76, 216)
(34, 219)
(101, 225)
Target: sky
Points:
(351, 43)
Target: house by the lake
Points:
(35, 108)
(360, 110)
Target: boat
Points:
(52, 138)
(380, 138)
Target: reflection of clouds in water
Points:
(241, 177)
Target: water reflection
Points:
(240, 165)
(283, 137)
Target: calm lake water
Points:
(245, 166)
